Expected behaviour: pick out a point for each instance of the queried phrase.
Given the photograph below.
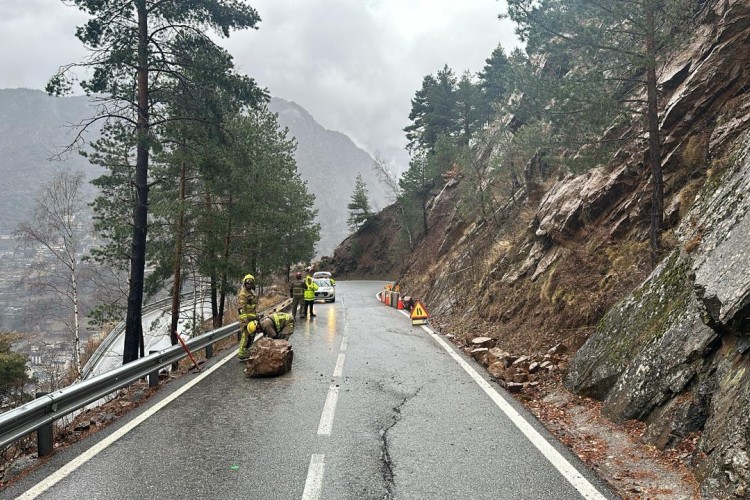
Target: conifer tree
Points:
(609, 51)
(133, 44)
(359, 205)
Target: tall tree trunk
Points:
(177, 267)
(654, 140)
(134, 319)
(227, 248)
(76, 322)
(216, 317)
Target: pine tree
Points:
(359, 205)
(608, 52)
(134, 47)
(433, 112)
(494, 82)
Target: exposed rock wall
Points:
(675, 352)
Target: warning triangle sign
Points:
(419, 312)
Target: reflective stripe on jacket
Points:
(247, 305)
(310, 287)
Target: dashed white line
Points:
(314, 482)
(326, 419)
(339, 365)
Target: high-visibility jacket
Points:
(247, 305)
(310, 287)
(280, 320)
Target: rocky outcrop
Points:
(671, 344)
(675, 352)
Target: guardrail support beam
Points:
(44, 435)
(153, 377)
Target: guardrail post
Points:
(153, 377)
(44, 435)
(209, 351)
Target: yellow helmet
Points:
(251, 327)
(249, 278)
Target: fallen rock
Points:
(480, 355)
(487, 342)
(269, 358)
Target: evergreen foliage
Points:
(12, 369)
(138, 49)
(601, 61)
(359, 205)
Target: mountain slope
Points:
(36, 127)
(329, 161)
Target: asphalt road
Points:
(374, 408)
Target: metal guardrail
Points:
(18, 422)
(106, 344)
(34, 415)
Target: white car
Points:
(326, 291)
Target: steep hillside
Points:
(661, 341)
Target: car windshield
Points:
(323, 282)
(322, 274)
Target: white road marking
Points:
(314, 481)
(570, 473)
(339, 365)
(87, 455)
(326, 419)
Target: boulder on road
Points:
(269, 358)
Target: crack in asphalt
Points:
(385, 456)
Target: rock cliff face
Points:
(666, 343)
(674, 353)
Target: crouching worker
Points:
(246, 340)
(272, 354)
(278, 325)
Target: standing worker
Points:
(310, 287)
(297, 292)
(247, 304)
(278, 325)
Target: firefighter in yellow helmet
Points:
(278, 325)
(247, 304)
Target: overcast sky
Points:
(353, 64)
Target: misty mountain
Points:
(329, 161)
(36, 127)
